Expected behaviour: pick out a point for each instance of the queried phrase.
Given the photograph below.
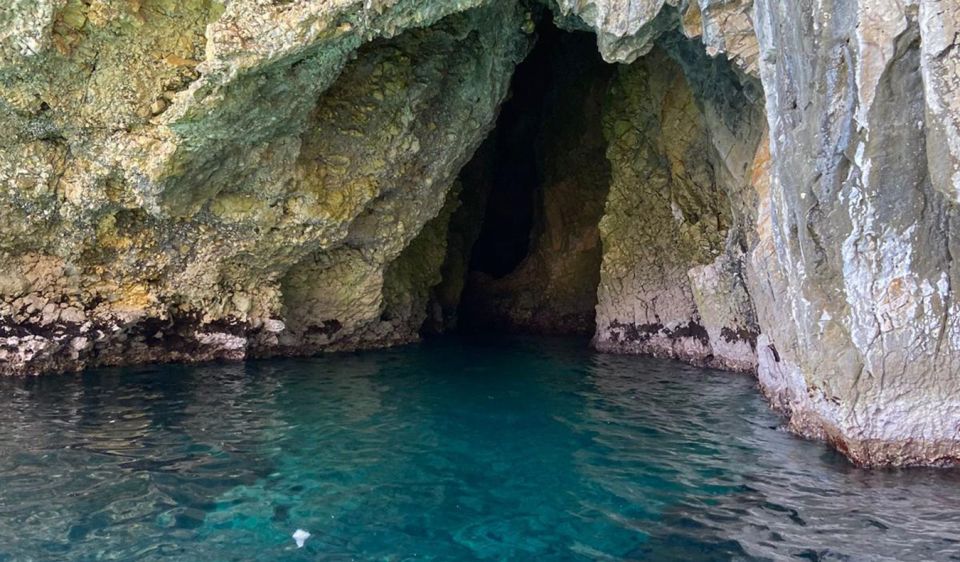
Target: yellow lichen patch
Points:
(239, 207)
(108, 237)
(665, 213)
(68, 25)
(168, 194)
(175, 60)
(760, 180)
(681, 126)
(133, 298)
(692, 20)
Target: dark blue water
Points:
(454, 450)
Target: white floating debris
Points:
(301, 537)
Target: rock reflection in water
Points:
(733, 486)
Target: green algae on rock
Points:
(270, 197)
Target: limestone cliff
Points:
(170, 198)
(778, 184)
(856, 289)
(670, 280)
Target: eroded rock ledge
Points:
(191, 180)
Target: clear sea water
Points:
(524, 449)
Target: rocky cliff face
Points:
(856, 289)
(778, 184)
(168, 197)
(671, 284)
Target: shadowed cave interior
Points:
(539, 182)
(610, 194)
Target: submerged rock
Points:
(197, 180)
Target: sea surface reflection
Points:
(527, 449)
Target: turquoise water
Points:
(451, 450)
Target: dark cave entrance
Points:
(515, 174)
(657, 154)
(537, 188)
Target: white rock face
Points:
(726, 313)
(940, 65)
(852, 234)
(855, 287)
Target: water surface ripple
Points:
(452, 450)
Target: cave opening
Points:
(504, 238)
(540, 181)
(612, 200)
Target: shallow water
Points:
(452, 450)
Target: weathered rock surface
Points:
(849, 265)
(670, 284)
(190, 180)
(856, 288)
(725, 26)
(259, 201)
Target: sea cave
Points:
(487, 280)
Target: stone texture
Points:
(664, 214)
(849, 262)
(725, 26)
(274, 186)
(939, 22)
(625, 29)
(190, 180)
(734, 120)
(726, 312)
(855, 289)
(670, 235)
